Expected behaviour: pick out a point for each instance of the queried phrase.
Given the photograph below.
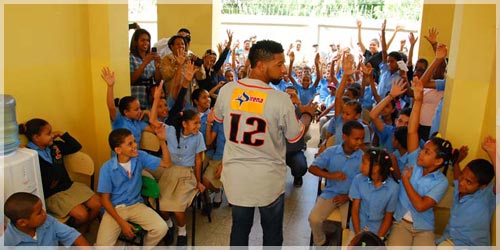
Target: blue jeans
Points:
(271, 220)
(297, 162)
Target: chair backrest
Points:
(149, 142)
(80, 163)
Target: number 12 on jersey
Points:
(259, 127)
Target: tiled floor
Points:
(298, 204)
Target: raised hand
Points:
(190, 71)
(108, 76)
(489, 144)
(383, 26)
(412, 38)
(418, 89)
(402, 43)
(432, 36)
(158, 91)
(358, 23)
(317, 59)
(292, 56)
(399, 28)
(441, 51)
(398, 87)
(229, 37)
(348, 64)
(180, 56)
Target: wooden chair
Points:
(339, 216)
(80, 167)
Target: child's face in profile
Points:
(134, 110)
(192, 126)
(38, 217)
(427, 156)
(203, 101)
(354, 141)
(467, 182)
(44, 138)
(128, 147)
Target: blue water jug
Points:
(8, 125)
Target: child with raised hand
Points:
(422, 184)
(130, 114)
(473, 193)
(305, 89)
(63, 196)
(120, 184)
(31, 226)
(374, 194)
(341, 163)
(389, 69)
(385, 110)
(344, 112)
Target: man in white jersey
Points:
(257, 119)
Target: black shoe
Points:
(297, 181)
(217, 204)
(182, 240)
(169, 237)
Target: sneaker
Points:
(297, 181)
(182, 240)
(169, 237)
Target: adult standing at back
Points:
(257, 121)
(144, 67)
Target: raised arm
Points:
(161, 133)
(382, 41)
(319, 74)
(413, 123)
(153, 119)
(360, 41)
(397, 89)
(291, 55)
(441, 52)
(333, 78)
(109, 77)
(223, 55)
(413, 40)
(348, 66)
(396, 30)
(432, 38)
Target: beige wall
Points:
(195, 17)
(52, 66)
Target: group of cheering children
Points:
(393, 187)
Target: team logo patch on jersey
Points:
(248, 100)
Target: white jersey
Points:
(256, 119)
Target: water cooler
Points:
(20, 169)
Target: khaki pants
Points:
(147, 218)
(404, 235)
(321, 210)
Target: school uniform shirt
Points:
(433, 185)
(334, 159)
(50, 233)
(470, 218)
(305, 94)
(135, 126)
(375, 202)
(385, 137)
(367, 100)
(125, 188)
(52, 167)
(402, 160)
(335, 128)
(220, 141)
(183, 152)
(385, 81)
(257, 120)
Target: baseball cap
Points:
(332, 85)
